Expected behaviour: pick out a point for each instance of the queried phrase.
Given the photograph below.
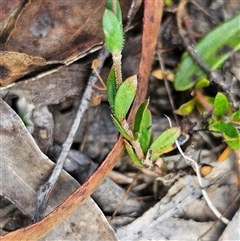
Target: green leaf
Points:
(115, 7)
(132, 154)
(221, 104)
(227, 129)
(142, 126)
(124, 97)
(202, 84)
(111, 87)
(165, 140)
(186, 108)
(139, 115)
(121, 129)
(214, 50)
(113, 32)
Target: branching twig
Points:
(45, 190)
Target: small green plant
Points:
(138, 139)
(214, 50)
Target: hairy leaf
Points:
(124, 97)
(113, 32)
(164, 141)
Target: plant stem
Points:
(117, 63)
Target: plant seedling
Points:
(138, 140)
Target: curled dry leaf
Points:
(14, 65)
(24, 168)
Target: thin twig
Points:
(135, 5)
(45, 190)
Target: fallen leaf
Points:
(58, 30)
(24, 168)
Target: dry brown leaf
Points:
(24, 168)
(14, 65)
(57, 29)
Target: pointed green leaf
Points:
(132, 154)
(139, 115)
(113, 32)
(145, 131)
(214, 50)
(124, 97)
(186, 108)
(164, 141)
(121, 129)
(115, 7)
(111, 87)
(221, 104)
